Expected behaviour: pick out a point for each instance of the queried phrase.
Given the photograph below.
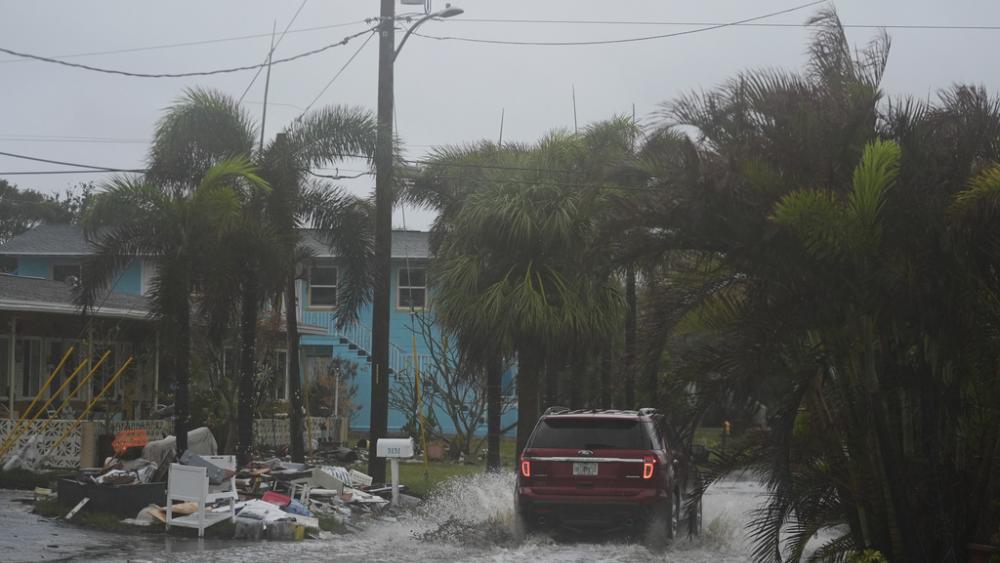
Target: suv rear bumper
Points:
(611, 513)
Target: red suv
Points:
(601, 469)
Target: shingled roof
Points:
(69, 240)
(49, 240)
(19, 293)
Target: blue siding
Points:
(34, 266)
(129, 281)
(401, 331)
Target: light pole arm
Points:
(410, 31)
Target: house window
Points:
(27, 366)
(412, 288)
(4, 361)
(54, 352)
(61, 272)
(323, 286)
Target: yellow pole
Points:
(52, 376)
(86, 411)
(76, 389)
(17, 436)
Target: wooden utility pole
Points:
(383, 241)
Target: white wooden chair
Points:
(190, 483)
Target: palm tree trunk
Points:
(530, 371)
(606, 379)
(630, 330)
(494, 373)
(576, 381)
(248, 340)
(551, 383)
(182, 369)
(295, 410)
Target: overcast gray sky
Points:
(447, 92)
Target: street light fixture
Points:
(383, 224)
(447, 12)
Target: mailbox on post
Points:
(394, 449)
(399, 448)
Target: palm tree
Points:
(205, 126)
(175, 227)
(517, 261)
(850, 285)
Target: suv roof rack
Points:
(645, 411)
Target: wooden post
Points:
(11, 351)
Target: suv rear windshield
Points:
(591, 434)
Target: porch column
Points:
(11, 380)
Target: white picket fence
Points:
(267, 432)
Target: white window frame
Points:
(22, 393)
(400, 287)
(4, 376)
(336, 288)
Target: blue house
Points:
(55, 252)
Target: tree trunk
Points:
(576, 381)
(494, 374)
(529, 373)
(248, 341)
(295, 408)
(182, 369)
(630, 329)
(551, 383)
(606, 379)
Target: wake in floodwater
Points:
(470, 519)
(477, 513)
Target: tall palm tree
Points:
(175, 228)
(517, 262)
(851, 287)
(205, 126)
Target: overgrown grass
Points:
(421, 480)
(710, 437)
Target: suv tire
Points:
(661, 528)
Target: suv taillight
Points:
(648, 465)
(525, 468)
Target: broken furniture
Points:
(190, 483)
(122, 500)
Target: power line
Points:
(19, 139)
(84, 171)
(60, 162)
(191, 43)
(733, 24)
(270, 53)
(617, 41)
(184, 74)
(335, 76)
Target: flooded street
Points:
(466, 522)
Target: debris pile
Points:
(271, 498)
